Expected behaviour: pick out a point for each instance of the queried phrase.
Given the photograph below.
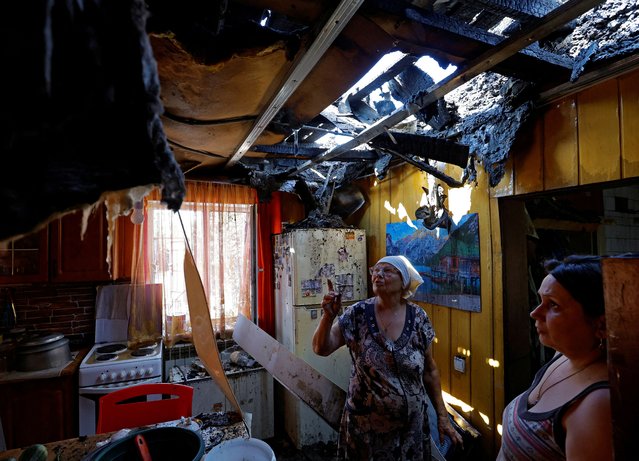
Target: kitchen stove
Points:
(111, 365)
(114, 365)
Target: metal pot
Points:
(42, 351)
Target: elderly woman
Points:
(389, 340)
(565, 414)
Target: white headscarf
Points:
(410, 277)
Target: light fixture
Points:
(137, 217)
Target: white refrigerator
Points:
(304, 260)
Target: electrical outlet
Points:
(459, 363)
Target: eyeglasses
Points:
(382, 271)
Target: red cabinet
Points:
(39, 410)
(59, 253)
(75, 257)
(25, 260)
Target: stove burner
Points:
(106, 357)
(143, 351)
(111, 349)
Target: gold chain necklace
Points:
(540, 393)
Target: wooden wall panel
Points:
(561, 161)
(599, 144)
(529, 161)
(481, 327)
(498, 324)
(629, 108)
(587, 138)
(460, 341)
(442, 351)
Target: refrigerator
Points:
(304, 260)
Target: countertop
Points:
(65, 370)
(214, 429)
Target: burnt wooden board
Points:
(313, 388)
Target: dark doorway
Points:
(598, 219)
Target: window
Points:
(219, 223)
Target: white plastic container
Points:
(241, 450)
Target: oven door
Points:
(88, 402)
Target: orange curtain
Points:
(218, 221)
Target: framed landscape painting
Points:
(447, 261)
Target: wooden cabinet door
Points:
(123, 243)
(77, 259)
(26, 259)
(38, 411)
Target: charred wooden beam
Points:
(517, 9)
(394, 70)
(526, 57)
(309, 151)
(450, 182)
(424, 146)
(486, 61)
(531, 63)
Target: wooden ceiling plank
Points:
(335, 24)
(463, 30)
(516, 9)
(486, 61)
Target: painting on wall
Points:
(448, 260)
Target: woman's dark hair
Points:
(581, 276)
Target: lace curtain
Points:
(218, 220)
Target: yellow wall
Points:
(586, 138)
(458, 332)
(590, 137)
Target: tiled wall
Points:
(63, 308)
(620, 233)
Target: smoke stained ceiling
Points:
(215, 91)
(250, 89)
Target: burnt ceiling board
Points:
(482, 63)
(219, 63)
(81, 114)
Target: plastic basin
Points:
(165, 444)
(241, 450)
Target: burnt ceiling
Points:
(224, 66)
(107, 97)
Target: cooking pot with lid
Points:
(41, 351)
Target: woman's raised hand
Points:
(332, 302)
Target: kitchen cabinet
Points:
(77, 258)
(25, 260)
(40, 410)
(59, 254)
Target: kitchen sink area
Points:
(251, 384)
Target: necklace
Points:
(389, 323)
(541, 392)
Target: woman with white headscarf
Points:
(389, 340)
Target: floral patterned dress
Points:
(385, 412)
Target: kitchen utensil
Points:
(143, 449)
(41, 351)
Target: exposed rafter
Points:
(486, 61)
(335, 24)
